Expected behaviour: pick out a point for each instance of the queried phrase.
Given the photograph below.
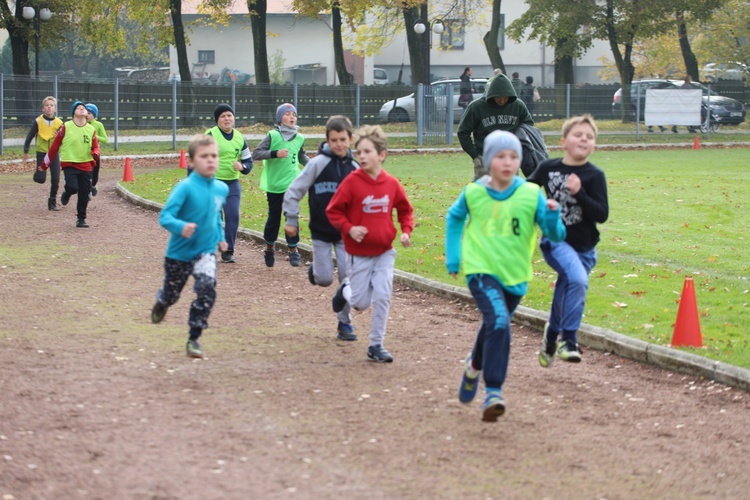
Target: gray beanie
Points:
(281, 110)
(497, 141)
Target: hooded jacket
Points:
(484, 115)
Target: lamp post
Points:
(43, 14)
(421, 27)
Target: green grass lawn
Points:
(673, 214)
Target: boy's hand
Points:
(25, 157)
(358, 233)
(405, 240)
(237, 166)
(573, 184)
(188, 229)
(282, 153)
(552, 204)
(223, 246)
(290, 231)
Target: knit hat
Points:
(498, 141)
(222, 108)
(281, 110)
(74, 106)
(93, 109)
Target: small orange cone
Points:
(183, 159)
(127, 174)
(687, 328)
(696, 143)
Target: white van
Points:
(380, 77)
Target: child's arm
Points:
(405, 213)
(223, 245)
(29, 137)
(593, 201)
(548, 219)
(302, 156)
(53, 149)
(246, 159)
(168, 216)
(296, 191)
(101, 134)
(455, 221)
(337, 210)
(263, 150)
(95, 152)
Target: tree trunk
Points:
(345, 78)
(416, 43)
(691, 62)
(175, 9)
(564, 73)
(624, 62)
(490, 38)
(17, 29)
(266, 100)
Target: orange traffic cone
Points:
(127, 174)
(183, 159)
(687, 328)
(696, 143)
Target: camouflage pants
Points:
(176, 273)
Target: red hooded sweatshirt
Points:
(361, 200)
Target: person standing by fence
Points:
(44, 129)
(465, 90)
(527, 94)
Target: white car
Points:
(403, 109)
(724, 71)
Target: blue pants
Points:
(492, 348)
(572, 283)
(273, 222)
(232, 213)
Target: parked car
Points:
(403, 109)
(380, 77)
(724, 110)
(712, 72)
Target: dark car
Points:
(724, 110)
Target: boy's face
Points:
(289, 119)
(502, 100)
(205, 161)
(503, 166)
(89, 116)
(49, 108)
(339, 142)
(369, 159)
(580, 142)
(80, 111)
(226, 121)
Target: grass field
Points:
(673, 214)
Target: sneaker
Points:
(228, 257)
(270, 257)
(311, 275)
(81, 223)
(193, 349)
(378, 354)
(94, 190)
(64, 198)
(339, 302)
(674, 130)
(158, 312)
(469, 385)
(295, 259)
(346, 332)
(547, 352)
(650, 130)
(52, 205)
(568, 351)
(493, 407)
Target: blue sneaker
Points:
(295, 258)
(379, 354)
(339, 302)
(346, 332)
(469, 385)
(493, 407)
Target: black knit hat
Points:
(222, 108)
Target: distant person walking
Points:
(515, 80)
(466, 92)
(527, 94)
(688, 84)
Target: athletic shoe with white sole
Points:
(568, 351)
(493, 407)
(193, 349)
(378, 354)
(468, 390)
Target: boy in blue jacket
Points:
(192, 215)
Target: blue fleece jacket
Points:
(194, 199)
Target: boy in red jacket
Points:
(362, 209)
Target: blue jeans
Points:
(492, 347)
(572, 283)
(232, 213)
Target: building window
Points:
(452, 38)
(501, 33)
(206, 56)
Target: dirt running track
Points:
(99, 403)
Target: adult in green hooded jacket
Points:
(499, 109)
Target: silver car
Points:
(403, 109)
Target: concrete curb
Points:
(592, 337)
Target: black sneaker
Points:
(311, 275)
(52, 205)
(64, 198)
(339, 302)
(81, 223)
(568, 351)
(270, 257)
(295, 259)
(378, 354)
(346, 332)
(228, 257)
(158, 312)
(94, 190)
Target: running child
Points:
(78, 147)
(580, 188)
(192, 215)
(362, 210)
(44, 129)
(494, 252)
(319, 179)
(282, 152)
(101, 136)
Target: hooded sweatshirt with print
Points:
(484, 115)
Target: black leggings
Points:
(273, 223)
(54, 173)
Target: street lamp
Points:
(421, 27)
(43, 14)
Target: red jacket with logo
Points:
(361, 200)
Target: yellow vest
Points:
(46, 133)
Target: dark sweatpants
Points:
(54, 173)
(78, 181)
(273, 223)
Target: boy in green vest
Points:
(44, 129)
(101, 136)
(79, 151)
(282, 152)
(494, 252)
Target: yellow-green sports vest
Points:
(76, 145)
(278, 173)
(45, 133)
(229, 152)
(500, 237)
